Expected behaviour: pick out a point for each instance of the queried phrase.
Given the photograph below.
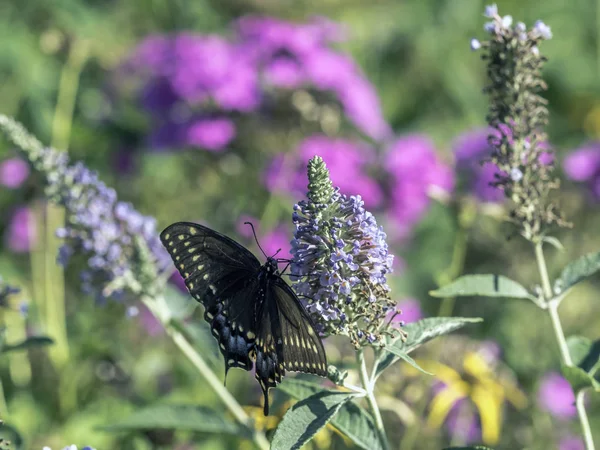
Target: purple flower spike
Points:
(340, 261)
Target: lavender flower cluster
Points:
(99, 226)
(196, 85)
(340, 261)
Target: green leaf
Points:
(584, 352)
(579, 270)
(579, 379)
(33, 341)
(303, 420)
(483, 286)
(351, 420)
(419, 333)
(402, 355)
(177, 417)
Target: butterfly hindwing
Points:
(302, 348)
(286, 339)
(222, 275)
(268, 347)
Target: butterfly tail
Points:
(266, 408)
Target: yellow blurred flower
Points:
(479, 384)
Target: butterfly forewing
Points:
(222, 275)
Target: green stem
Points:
(368, 386)
(562, 341)
(583, 418)
(3, 405)
(213, 381)
(54, 288)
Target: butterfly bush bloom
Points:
(417, 174)
(340, 261)
(555, 395)
(13, 172)
(583, 165)
(348, 162)
(122, 247)
(517, 116)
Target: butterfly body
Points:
(255, 316)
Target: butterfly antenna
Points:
(255, 238)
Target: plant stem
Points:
(583, 418)
(217, 385)
(368, 386)
(562, 341)
(55, 310)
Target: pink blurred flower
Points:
(571, 443)
(416, 172)
(276, 239)
(411, 311)
(555, 395)
(295, 54)
(21, 233)
(583, 165)
(346, 160)
(13, 172)
(210, 133)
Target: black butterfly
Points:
(252, 311)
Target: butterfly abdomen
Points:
(234, 344)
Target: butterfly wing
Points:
(302, 347)
(222, 275)
(286, 339)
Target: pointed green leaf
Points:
(402, 355)
(579, 379)
(303, 420)
(177, 417)
(351, 420)
(33, 341)
(483, 286)
(579, 270)
(419, 333)
(584, 352)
